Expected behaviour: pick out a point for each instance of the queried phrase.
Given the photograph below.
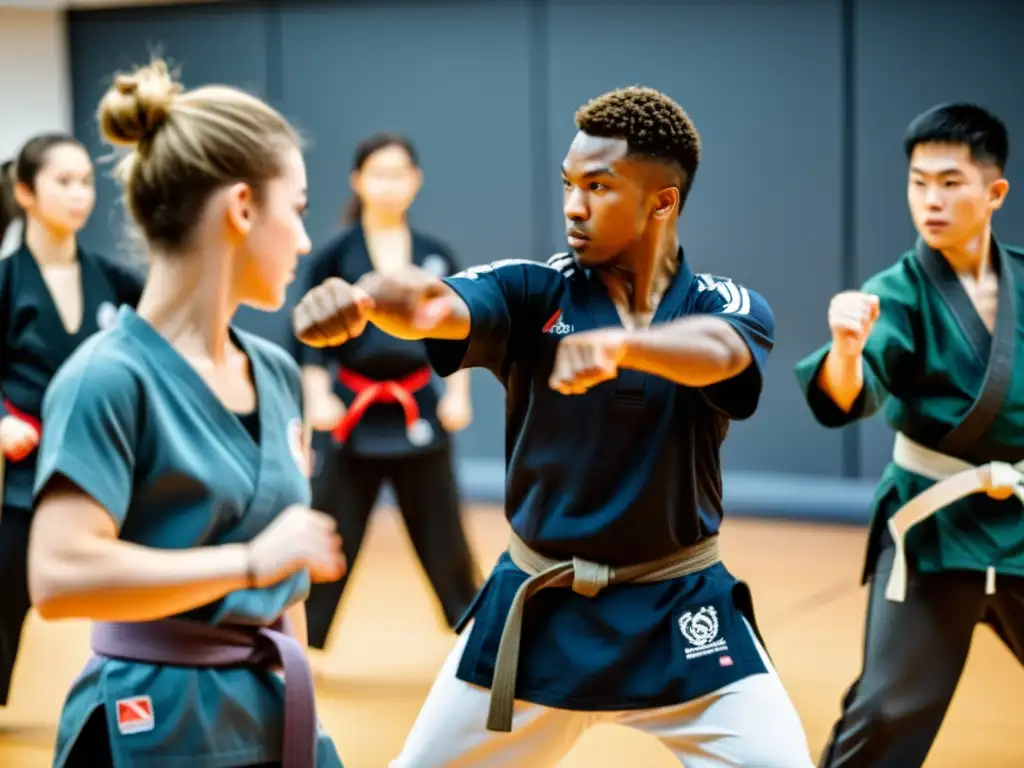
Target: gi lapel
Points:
(997, 351)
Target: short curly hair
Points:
(651, 123)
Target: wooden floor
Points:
(389, 641)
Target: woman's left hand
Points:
(455, 412)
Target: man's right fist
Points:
(331, 313)
(851, 316)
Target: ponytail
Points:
(353, 212)
(10, 211)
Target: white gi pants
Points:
(750, 723)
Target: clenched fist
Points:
(851, 316)
(298, 538)
(17, 438)
(584, 360)
(331, 314)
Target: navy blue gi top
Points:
(625, 473)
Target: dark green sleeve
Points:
(889, 355)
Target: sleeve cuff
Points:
(827, 413)
(448, 356)
(88, 480)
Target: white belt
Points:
(955, 479)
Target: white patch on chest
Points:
(436, 265)
(298, 447)
(106, 315)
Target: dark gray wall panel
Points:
(207, 44)
(761, 81)
(454, 77)
(911, 55)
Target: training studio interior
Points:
(801, 106)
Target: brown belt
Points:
(584, 578)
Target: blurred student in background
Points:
(53, 296)
(376, 398)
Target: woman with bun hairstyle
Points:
(53, 295)
(173, 484)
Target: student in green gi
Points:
(934, 338)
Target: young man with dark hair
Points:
(623, 369)
(937, 334)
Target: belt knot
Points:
(589, 578)
(999, 479)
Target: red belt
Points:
(369, 391)
(32, 421)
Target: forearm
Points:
(695, 351)
(445, 317)
(457, 385)
(111, 580)
(297, 621)
(841, 379)
(316, 384)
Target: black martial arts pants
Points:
(347, 488)
(914, 653)
(15, 524)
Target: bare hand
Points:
(326, 412)
(408, 302)
(299, 538)
(584, 360)
(331, 314)
(17, 438)
(851, 316)
(455, 412)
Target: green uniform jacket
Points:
(926, 360)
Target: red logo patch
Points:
(135, 715)
(551, 321)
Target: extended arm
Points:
(693, 351)
(720, 348)
(297, 618)
(466, 319)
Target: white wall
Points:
(35, 89)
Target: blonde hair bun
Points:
(137, 105)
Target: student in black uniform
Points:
(623, 370)
(53, 295)
(381, 418)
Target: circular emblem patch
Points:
(106, 315)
